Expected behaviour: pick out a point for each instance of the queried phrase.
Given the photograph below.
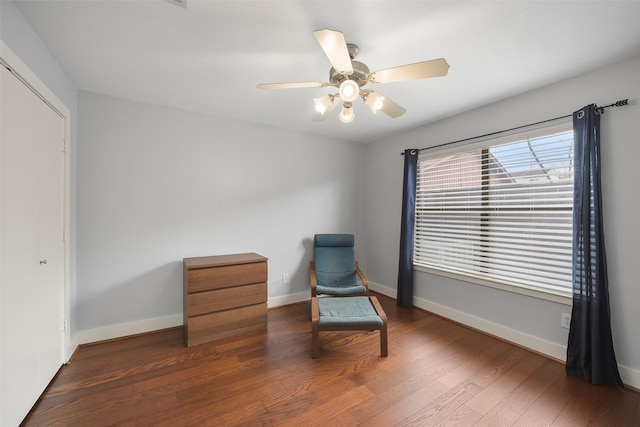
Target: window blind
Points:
(500, 211)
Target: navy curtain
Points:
(405, 267)
(590, 348)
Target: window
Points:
(500, 210)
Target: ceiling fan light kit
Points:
(347, 115)
(373, 100)
(350, 76)
(349, 90)
(325, 105)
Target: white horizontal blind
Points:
(500, 212)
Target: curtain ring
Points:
(580, 114)
(413, 152)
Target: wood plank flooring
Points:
(437, 373)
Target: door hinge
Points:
(64, 234)
(64, 324)
(64, 145)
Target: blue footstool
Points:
(345, 314)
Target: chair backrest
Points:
(334, 258)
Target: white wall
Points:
(158, 184)
(529, 321)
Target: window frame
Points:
(537, 131)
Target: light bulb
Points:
(322, 104)
(346, 115)
(374, 101)
(349, 90)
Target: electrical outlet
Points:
(285, 278)
(565, 320)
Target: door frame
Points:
(19, 69)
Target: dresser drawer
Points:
(226, 323)
(204, 279)
(226, 298)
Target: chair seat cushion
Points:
(341, 290)
(347, 312)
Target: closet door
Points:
(32, 247)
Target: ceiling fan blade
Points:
(377, 102)
(294, 85)
(419, 70)
(392, 109)
(335, 47)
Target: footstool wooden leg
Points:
(383, 329)
(383, 341)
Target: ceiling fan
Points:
(351, 76)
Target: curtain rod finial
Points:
(622, 102)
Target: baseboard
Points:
(384, 290)
(536, 344)
(288, 299)
(150, 325)
(126, 329)
(72, 348)
(630, 377)
(533, 343)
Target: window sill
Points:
(549, 295)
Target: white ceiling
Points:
(209, 56)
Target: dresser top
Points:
(221, 260)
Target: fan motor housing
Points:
(359, 75)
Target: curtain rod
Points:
(620, 103)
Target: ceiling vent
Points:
(182, 3)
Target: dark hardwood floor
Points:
(437, 373)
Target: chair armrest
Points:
(362, 277)
(312, 278)
(315, 333)
(315, 310)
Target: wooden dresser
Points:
(224, 295)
